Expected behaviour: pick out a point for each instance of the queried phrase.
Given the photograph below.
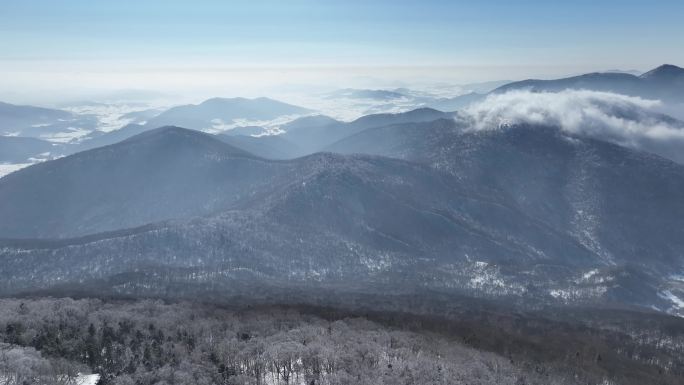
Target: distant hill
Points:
(16, 117)
(315, 133)
(456, 102)
(353, 93)
(140, 117)
(218, 111)
(245, 131)
(31, 121)
(19, 150)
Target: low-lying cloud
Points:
(625, 120)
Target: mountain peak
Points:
(424, 110)
(165, 131)
(173, 136)
(310, 122)
(665, 71)
(219, 100)
(168, 172)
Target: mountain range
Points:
(302, 136)
(233, 115)
(523, 212)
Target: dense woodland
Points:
(50, 341)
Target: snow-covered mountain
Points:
(525, 212)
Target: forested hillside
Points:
(50, 341)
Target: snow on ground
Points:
(486, 277)
(677, 302)
(87, 379)
(348, 109)
(109, 115)
(72, 134)
(589, 274)
(7, 168)
(577, 294)
(271, 127)
(81, 379)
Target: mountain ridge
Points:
(664, 82)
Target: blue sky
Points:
(482, 39)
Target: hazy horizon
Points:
(63, 51)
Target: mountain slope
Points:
(99, 139)
(621, 204)
(267, 146)
(577, 178)
(160, 174)
(335, 219)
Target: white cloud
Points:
(625, 120)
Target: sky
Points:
(177, 46)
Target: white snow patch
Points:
(87, 379)
(271, 127)
(676, 301)
(8, 168)
(109, 115)
(72, 134)
(589, 274)
(564, 294)
(574, 294)
(485, 277)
